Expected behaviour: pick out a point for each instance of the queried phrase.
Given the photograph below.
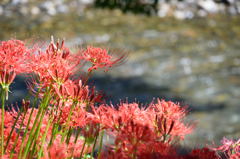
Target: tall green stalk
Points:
(2, 124)
(101, 143)
(18, 134)
(13, 127)
(66, 128)
(31, 134)
(94, 144)
(29, 120)
(36, 125)
(55, 128)
(85, 141)
(34, 134)
(43, 139)
(4, 92)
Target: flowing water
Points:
(194, 62)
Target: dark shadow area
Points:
(136, 90)
(18, 91)
(135, 6)
(121, 89)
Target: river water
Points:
(194, 62)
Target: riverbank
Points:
(179, 9)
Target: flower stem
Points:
(31, 135)
(34, 132)
(65, 128)
(101, 144)
(13, 127)
(94, 144)
(4, 92)
(85, 141)
(18, 134)
(43, 139)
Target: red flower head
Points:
(203, 153)
(230, 148)
(114, 119)
(168, 119)
(78, 117)
(156, 149)
(14, 56)
(100, 58)
(9, 118)
(61, 150)
(14, 59)
(76, 91)
(31, 117)
(55, 65)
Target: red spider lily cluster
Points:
(229, 148)
(68, 118)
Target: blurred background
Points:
(187, 51)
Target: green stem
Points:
(3, 98)
(26, 130)
(69, 135)
(43, 139)
(101, 144)
(65, 131)
(55, 129)
(36, 125)
(75, 141)
(94, 144)
(34, 136)
(31, 134)
(28, 123)
(77, 135)
(135, 151)
(85, 141)
(18, 134)
(50, 122)
(13, 127)
(31, 154)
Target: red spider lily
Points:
(77, 118)
(156, 149)
(135, 133)
(230, 148)
(55, 65)
(14, 56)
(91, 131)
(106, 116)
(61, 150)
(112, 154)
(8, 118)
(150, 150)
(28, 117)
(14, 139)
(204, 153)
(235, 156)
(129, 125)
(55, 151)
(99, 58)
(167, 118)
(111, 118)
(14, 59)
(76, 91)
(168, 110)
(7, 77)
(131, 136)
